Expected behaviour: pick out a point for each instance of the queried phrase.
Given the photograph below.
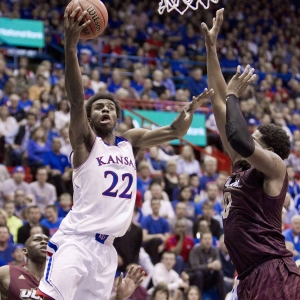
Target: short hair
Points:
(295, 218)
(143, 165)
(52, 206)
(156, 180)
(208, 204)
(100, 96)
(169, 252)
(276, 137)
(41, 168)
(161, 286)
(8, 202)
(29, 208)
(32, 115)
(209, 158)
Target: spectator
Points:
(185, 196)
(19, 147)
(97, 85)
(210, 169)
(128, 247)
(155, 232)
(34, 91)
(227, 266)
(138, 80)
(36, 229)
(180, 244)
(44, 193)
(165, 210)
(163, 272)
(148, 90)
(171, 178)
(160, 292)
(289, 205)
(51, 220)
(20, 201)
(158, 165)
(187, 162)
(62, 116)
(207, 215)
(212, 195)
(8, 127)
(88, 91)
(180, 215)
(33, 219)
(65, 204)
(36, 148)
(205, 269)
(58, 167)
(13, 222)
(16, 182)
(143, 179)
(193, 293)
(294, 187)
(183, 180)
(18, 256)
(195, 187)
(158, 86)
(46, 106)
(66, 147)
(14, 109)
(6, 248)
(48, 125)
(116, 82)
(195, 83)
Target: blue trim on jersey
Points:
(118, 139)
(101, 238)
(53, 246)
(48, 270)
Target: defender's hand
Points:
(196, 102)
(126, 286)
(211, 35)
(239, 83)
(73, 28)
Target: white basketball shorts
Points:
(79, 267)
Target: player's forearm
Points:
(73, 78)
(216, 80)
(181, 124)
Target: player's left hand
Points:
(238, 84)
(196, 102)
(126, 286)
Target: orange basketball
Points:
(96, 12)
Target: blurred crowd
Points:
(176, 230)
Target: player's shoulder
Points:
(4, 272)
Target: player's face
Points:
(37, 247)
(104, 115)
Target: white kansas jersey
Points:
(104, 191)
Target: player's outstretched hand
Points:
(196, 103)
(211, 35)
(239, 83)
(72, 27)
(126, 286)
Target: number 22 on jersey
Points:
(112, 192)
(227, 200)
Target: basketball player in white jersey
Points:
(81, 258)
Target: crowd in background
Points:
(176, 231)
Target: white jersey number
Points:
(111, 192)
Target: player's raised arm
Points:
(254, 148)
(81, 134)
(144, 138)
(216, 80)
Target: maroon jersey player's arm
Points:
(4, 282)
(144, 138)
(217, 82)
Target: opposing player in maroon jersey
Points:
(17, 283)
(255, 192)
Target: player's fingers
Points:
(252, 79)
(85, 24)
(130, 270)
(74, 13)
(66, 19)
(205, 28)
(136, 271)
(249, 75)
(214, 22)
(120, 278)
(81, 17)
(219, 17)
(245, 73)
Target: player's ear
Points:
(270, 149)
(25, 251)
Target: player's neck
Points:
(108, 138)
(36, 268)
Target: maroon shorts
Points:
(271, 280)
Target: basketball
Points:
(96, 13)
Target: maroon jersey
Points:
(23, 284)
(252, 221)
